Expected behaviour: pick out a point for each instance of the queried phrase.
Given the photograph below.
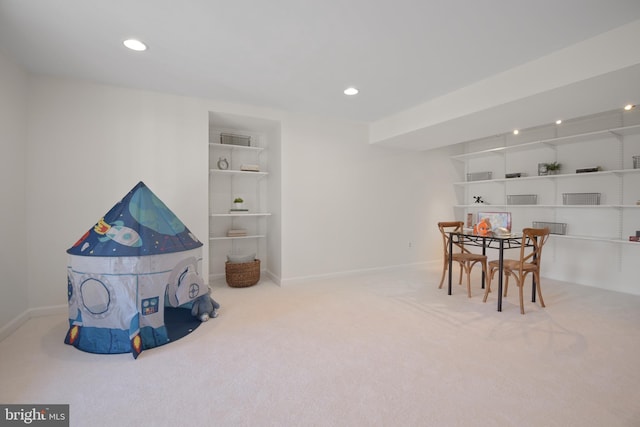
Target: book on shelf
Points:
(237, 232)
(250, 168)
(233, 210)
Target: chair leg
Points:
(521, 297)
(537, 277)
(468, 268)
(487, 288)
(445, 267)
(484, 270)
(506, 284)
(460, 279)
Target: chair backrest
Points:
(533, 240)
(447, 227)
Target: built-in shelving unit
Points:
(226, 184)
(608, 141)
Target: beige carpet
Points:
(386, 349)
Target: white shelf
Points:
(594, 239)
(248, 214)
(254, 236)
(488, 207)
(559, 176)
(582, 137)
(237, 172)
(231, 147)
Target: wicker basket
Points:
(242, 275)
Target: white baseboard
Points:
(18, 321)
(348, 273)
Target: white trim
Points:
(349, 273)
(21, 319)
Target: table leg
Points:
(484, 252)
(500, 265)
(450, 260)
(533, 282)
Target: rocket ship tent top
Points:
(140, 224)
(132, 277)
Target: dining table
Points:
(500, 242)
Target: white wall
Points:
(13, 166)
(349, 205)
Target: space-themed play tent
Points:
(132, 277)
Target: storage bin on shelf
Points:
(554, 227)
(522, 199)
(242, 275)
(479, 176)
(580, 198)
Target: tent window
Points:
(95, 296)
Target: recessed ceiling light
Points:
(134, 44)
(628, 107)
(515, 132)
(558, 122)
(351, 91)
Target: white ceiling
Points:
(299, 55)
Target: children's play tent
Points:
(132, 277)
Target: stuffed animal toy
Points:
(204, 307)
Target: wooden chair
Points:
(464, 257)
(533, 240)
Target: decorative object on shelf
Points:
(587, 170)
(250, 168)
(242, 275)
(479, 176)
(542, 169)
(469, 220)
(233, 139)
(238, 203)
(636, 162)
(223, 164)
(478, 199)
(553, 168)
(580, 198)
(515, 175)
(522, 199)
(554, 227)
(238, 206)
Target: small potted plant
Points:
(553, 168)
(238, 202)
